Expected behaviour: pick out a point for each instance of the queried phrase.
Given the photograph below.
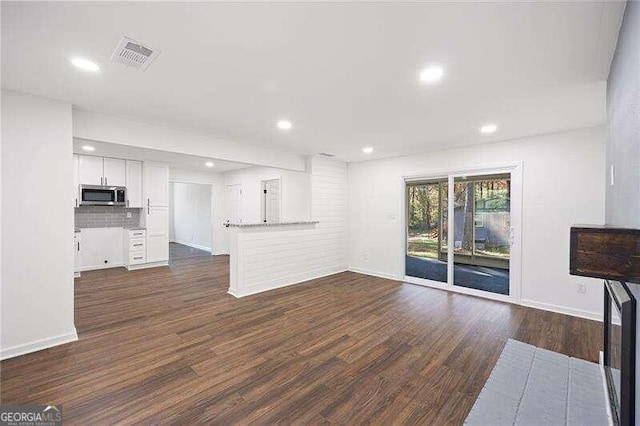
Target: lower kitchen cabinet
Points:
(135, 247)
(101, 248)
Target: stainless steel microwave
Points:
(97, 195)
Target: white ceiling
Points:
(175, 160)
(345, 74)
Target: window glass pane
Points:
(426, 231)
(482, 231)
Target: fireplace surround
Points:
(613, 254)
(619, 357)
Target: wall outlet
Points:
(582, 288)
(128, 215)
(366, 256)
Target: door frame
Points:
(515, 169)
(213, 201)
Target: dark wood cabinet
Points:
(605, 252)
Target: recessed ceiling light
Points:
(88, 148)
(209, 164)
(488, 129)
(431, 74)
(85, 64)
(284, 125)
(367, 150)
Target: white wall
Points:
(623, 140)
(264, 258)
(623, 125)
(295, 192)
(105, 128)
(37, 224)
(562, 186)
(191, 214)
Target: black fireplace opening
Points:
(620, 350)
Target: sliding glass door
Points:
(482, 232)
(471, 247)
(426, 255)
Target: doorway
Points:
(190, 221)
(463, 242)
(270, 201)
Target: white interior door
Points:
(271, 201)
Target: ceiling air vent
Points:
(134, 54)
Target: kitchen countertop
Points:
(262, 224)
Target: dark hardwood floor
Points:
(169, 345)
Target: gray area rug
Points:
(533, 386)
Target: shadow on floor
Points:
(493, 280)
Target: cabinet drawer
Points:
(137, 234)
(137, 258)
(137, 244)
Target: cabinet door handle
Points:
(76, 202)
(138, 257)
(136, 245)
(78, 245)
(127, 202)
(148, 206)
(105, 181)
(102, 180)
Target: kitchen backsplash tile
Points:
(106, 217)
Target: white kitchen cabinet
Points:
(90, 170)
(135, 248)
(114, 172)
(75, 194)
(156, 190)
(101, 248)
(157, 223)
(134, 184)
(156, 185)
(101, 171)
(77, 241)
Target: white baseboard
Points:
(374, 273)
(97, 267)
(529, 303)
(38, 345)
(219, 253)
(199, 247)
(596, 316)
(147, 265)
(287, 281)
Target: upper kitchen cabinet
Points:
(156, 184)
(90, 170)
(101, 171)
(114, 172)
(134, 184)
